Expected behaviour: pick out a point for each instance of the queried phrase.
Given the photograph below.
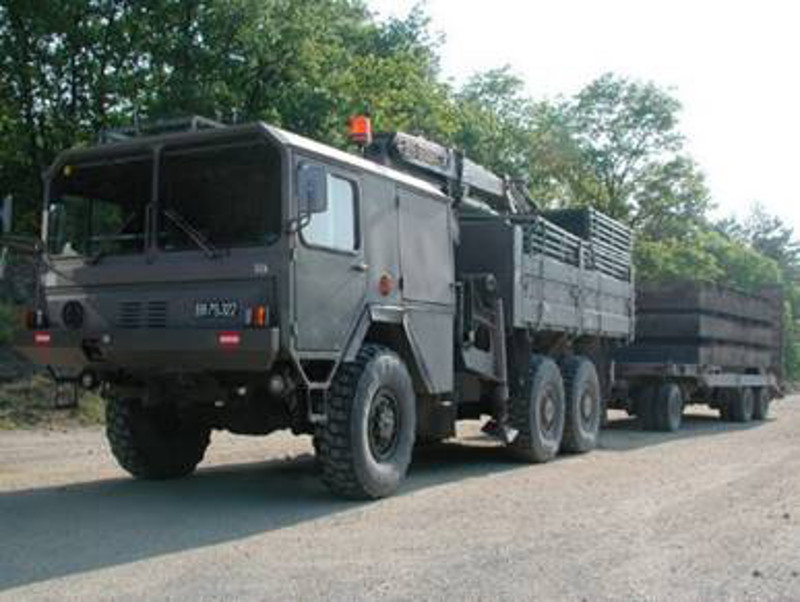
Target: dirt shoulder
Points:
(709, 513)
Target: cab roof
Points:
(284, 138)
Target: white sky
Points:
(734, 65)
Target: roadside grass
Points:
(28, 404)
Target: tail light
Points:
(257, 316)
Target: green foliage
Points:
(674, 259)
(706, 256)
(70, 69)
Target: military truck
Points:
(249, 279)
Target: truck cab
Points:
(218, 278)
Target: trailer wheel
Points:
(365, 447)
(583, 405)
(661, 408)
(761, 403)
(738, 405)
(154, 442)
(538, 415)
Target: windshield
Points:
(229, 195)
(209, 197)
(99, 207)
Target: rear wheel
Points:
(583, 405)
(761, 403)
(538, 415)
(738, 405)
(365, 447)
(154, 442)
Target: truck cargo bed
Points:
(556, 281)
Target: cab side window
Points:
(337, 228)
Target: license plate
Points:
(216, 309)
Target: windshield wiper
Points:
(193, 233)
(100, 253)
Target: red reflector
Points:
(229, 339)
(41, 338)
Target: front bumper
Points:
(163, 350)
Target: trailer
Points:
(704, 344)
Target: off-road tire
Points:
(761, 403)
(350, 466)
(581, 431)
(539, 437)
(740, 405)
(154, 443)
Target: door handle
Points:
(359, 267)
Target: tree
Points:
(772, 237)
(69, 70)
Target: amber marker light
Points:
(361, 130)
(260, 316)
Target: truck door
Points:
(330, 271)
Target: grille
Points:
(138, 314)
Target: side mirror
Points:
(312, 189)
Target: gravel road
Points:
(710, 513)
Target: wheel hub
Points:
(384, 422)
(548, 411)
(587, 406)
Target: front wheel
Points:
(538, 413)
(154, 442)
(366, 444)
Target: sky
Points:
(735, 67)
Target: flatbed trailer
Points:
(701, 344)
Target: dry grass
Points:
(28, 403)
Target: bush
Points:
(8, 317)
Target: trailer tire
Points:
(538, 413)
(668, 411)
(740, 405)
(660, 407)
(761, 403)
(583, 405)
(645, 406)
(366, 444)
(154, 443)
